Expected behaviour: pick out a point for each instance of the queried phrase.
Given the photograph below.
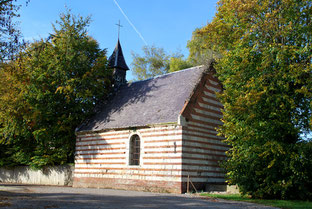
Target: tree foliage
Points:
(199, 53)
(9, 34)
(156, 61)
(177, 63)
(48, 92)
(266, 73)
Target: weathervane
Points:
(118, 28)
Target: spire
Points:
(117, 60)
(118, 63)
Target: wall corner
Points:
(181, 120)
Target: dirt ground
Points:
(34, 196)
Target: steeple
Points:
(117, 60)
(118, 63)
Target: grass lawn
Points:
(285, 204)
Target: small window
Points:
(134, 150)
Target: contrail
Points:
(130, 23)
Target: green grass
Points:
(285, 204)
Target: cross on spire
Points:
(118, 28)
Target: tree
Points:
(178, 63)
(266, 73)
(64, 78)
(156, 61)
(9, 35)
(199, 54)
(14, 115)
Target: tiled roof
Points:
(152, 101)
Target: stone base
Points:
(129, 184)
(152, 186)
(233, 189)
(214, 187)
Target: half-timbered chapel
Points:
(153, 135)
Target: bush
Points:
(272, 171)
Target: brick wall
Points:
(102, 160)
(203, 150)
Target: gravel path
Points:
(33, 197)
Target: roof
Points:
(152, 101)
(117, 60)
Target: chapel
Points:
(157, 134)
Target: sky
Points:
(163, 23)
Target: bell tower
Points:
(118, 63)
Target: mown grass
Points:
(285, 204)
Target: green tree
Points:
(266, 73)
(13, 115)
(66, 76)
(156, 61)
(9, 34)
(177, 63)
(199, 53)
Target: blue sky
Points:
(163, 23)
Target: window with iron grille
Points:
(134, 150)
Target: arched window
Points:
(134, 157)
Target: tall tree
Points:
(177, 63)
(199, 53)
(156, 61)
(9, 34)
(14, 114)
(266, 73)
(66, 76)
